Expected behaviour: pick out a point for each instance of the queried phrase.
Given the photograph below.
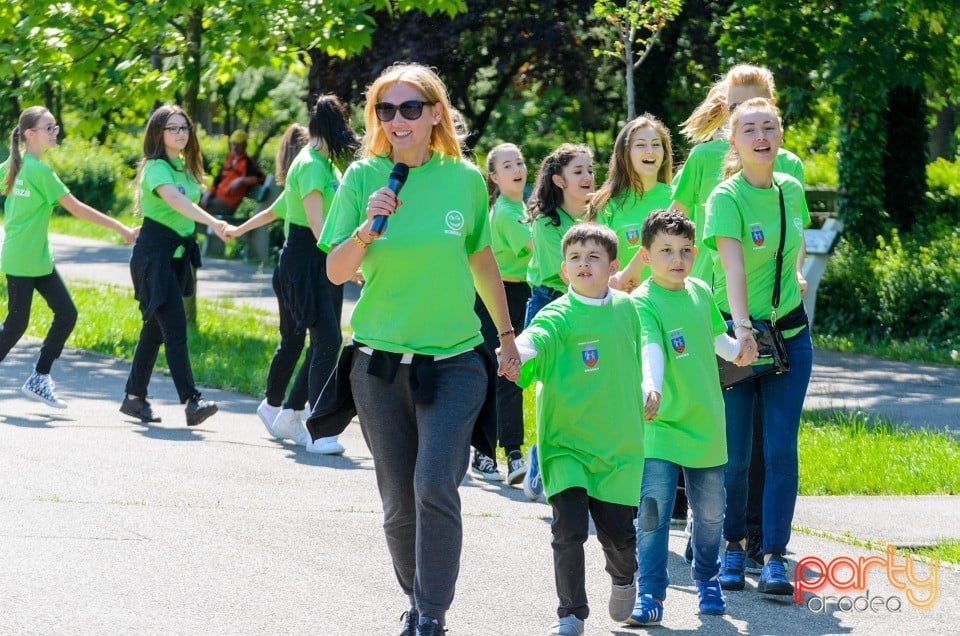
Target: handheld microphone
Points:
(398, 176)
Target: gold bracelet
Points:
(359, 241)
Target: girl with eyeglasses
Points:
(32, 189)
(313, 301)
(422, 379)
(638, 181)
(164, 258)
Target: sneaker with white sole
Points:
(532, 482)
(288, 425)
(267, 415)
(516, 468)
(647, 611)
(567, 626)
(485, 467)
(39, 386)
(325, 446)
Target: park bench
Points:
(256, 242)
(820, 242)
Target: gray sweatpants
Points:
(421, 453)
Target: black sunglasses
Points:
(410, 110)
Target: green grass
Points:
(69, 224)
(912, 350)
(945, 550)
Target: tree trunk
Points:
(628, 57)
(943, 138)
(905, 163)
(862, 142)
(191, 103)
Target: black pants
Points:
(571, 526)
(19, 301)
(285, 358)
(509, 395)
(168, 327)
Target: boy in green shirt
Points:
(682, 329)
(584, 348)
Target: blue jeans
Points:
(540, 297)
(779, 400)
(705, 494)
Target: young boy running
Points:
(681, 330)
(584, 348)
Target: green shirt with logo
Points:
(590, 431)
(309, 172)
(509, 238)
(625, 216)
(158, 172)
(544, 268)
(419, 294)
(690, 428)
(27, 210)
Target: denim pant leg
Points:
(738, 405)
(540, 297)
(706, 497)
(660, 484)
(781, 403)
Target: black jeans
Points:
(571, 526)
(19, 301)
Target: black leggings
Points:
(19, 300)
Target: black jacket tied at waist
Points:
(152, 265)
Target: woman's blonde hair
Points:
(709, 116)
(493, 190)
(444, 136)
(622, 180)
(731, 162)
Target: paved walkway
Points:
(111, 526)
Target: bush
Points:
(94, 174)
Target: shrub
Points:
(94, 174)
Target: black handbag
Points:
(771, 348)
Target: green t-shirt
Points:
(751, 215)
(625, 216)
(690, 428)
(309, 172)
(418, 296)
(509, 238)
(544, 267)
(279, 207)
(590, 408)
(700, 174)
(158, 172)
(27, 210)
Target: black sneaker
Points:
(430, 627)
(773, 579)
(409, 620)
(753, 563)
(139, 408)
(516, 468)
(485, 467)
(198, 410)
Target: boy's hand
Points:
(748, 346)
(652, 407)
(509, 359)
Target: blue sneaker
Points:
(647, 611)
(773, 578)
(731, 568)
(430, 627)
(711, 597)
(532, 483)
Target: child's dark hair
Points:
(666, 222)
(587, 231)
(328, 121)
(154, 147)
(547, 196)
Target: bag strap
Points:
(783, 236)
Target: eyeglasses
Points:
(51, 130)
(176, 130)
(409, 110)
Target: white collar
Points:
(598, 302)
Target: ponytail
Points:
(709, 116)
(15, 161)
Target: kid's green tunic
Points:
(625, 216)
(751, 215)
(690, 428)
(158, 172)
(310, 171)
(418, 296)
(544, 268)
(700, 174)
(27, 210)
(509, 238)
(590, 408)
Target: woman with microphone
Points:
(421, 377)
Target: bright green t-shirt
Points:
(751, 215)
(690, 428)
(309, 172)
(590, 408)
(625, 216)
(418, 296)
(700, 174)
(509, 238)
(27, 210)
(158, 172)
(544, 267)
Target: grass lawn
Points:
(69, 224)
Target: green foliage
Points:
(94, 174)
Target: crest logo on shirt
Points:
(677, 342)
(633, 235)
(756, 233)
(590, 355)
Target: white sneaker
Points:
(39, 386)
(267, 415)
(567, 626)
(287, 425)
(325, 446)
(303, 437)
